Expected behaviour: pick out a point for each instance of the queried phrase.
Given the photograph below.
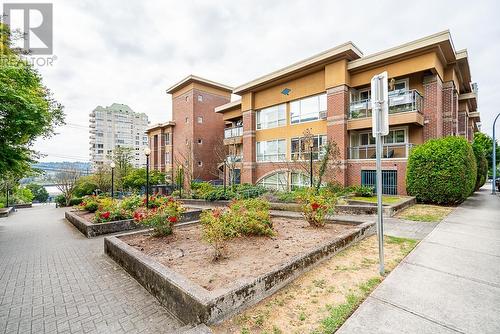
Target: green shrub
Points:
(60, 200)
(85, 186)
(39, 192)
(287, 196)
(242, 217)
(482, 165)
(75, 201)
(442, 171)
(201, 189)
(162, 218)
(363, 191)
(246, 190)
(131, 203)
(218, 194)
(315, 207)
(89, 203)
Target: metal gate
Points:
(389, 180)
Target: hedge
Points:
(482, 165)
(442, 171)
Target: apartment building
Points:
(192, 138)
(328, 96)
(117, 126)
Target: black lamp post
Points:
(311, 146)
(147, 152)
(224, 171)
(112, 165)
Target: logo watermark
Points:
(34, 23)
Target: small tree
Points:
(102, 178)
(136, 178)
(66, 182)
(39, 192)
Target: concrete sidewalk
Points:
(450, 283)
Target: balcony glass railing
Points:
(234, 158)
(399, 101)
(233, 132)
(389, 151)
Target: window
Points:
(100, 151)
(299, 180)
(100, 145)
(186, 119)
(276, 181)
(361, 95)
(200, 163)
(167, 138)
(400, 86)
(273, 150)
(271, 117)
(389, 180)
(200, 119)
(200, 98)
(395, 136)
(187, 98)
(300, 151)
(308, 109)
(167, 157)
(200, 141)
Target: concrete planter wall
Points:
(23, 206)
(90, 229)
(5, 212)
(192, 304)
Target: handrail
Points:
(399, 101)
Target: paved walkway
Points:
(54, 280)
(449, 284)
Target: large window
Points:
(276, 181)
(299, 180)
(271, 117)
(300, 147)
(308, 109)
(273, 150)
(395, 136)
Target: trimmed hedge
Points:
(482, 166)
(442, 171)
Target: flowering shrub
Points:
(131, 203)
(155, 201)
(242, 217)
(315, 207)
(89, 203)
(110, 214)
(161, 218)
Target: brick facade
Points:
(337, 115)
(354, 168)
(248, 174)
(433, 107)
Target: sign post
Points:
(380, 127)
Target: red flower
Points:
(144, 201)
(105, 215)
(83, 204)
(172, 219)
(315, 206)
(170, 199)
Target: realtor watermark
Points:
(32, 26)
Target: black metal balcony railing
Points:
(399, 101)
(389, 151)
(233, 132)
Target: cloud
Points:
(130, 52)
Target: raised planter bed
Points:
(179, 272)
(23, 206)
(273, 205)
(5, 212)
(90, 229)
(357, 207)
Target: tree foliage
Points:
(442, 171)
(485, 142)
(136, 178)
(39, 192)
(27, 109)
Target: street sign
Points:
(380, 127)
(380, 102)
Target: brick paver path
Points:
(54, 280)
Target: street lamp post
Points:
(311, 146)
(494, 158)
(147, 152)
(112, 165)
(224, 178)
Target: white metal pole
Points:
(494, 157)
(380, 229)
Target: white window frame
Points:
(322, 141)
(260, 125)
(271, 157)
(321, 114)
(199, 119)
(369, 132)
(406, 81)
(278, 185)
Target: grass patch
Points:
(373, 199)
(406, 245)
(339, 313)
(425, 213)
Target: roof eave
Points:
(193, 78)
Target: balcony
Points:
(233, 132)
(234, 158)
(400, 101)
(233, 135)
(404, 108)
(389, 151)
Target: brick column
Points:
(337, 114)
(249, 148)
(433, 107)
(455, 112)
(162, 151)
(448, 108)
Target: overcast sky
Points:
(131, 51)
